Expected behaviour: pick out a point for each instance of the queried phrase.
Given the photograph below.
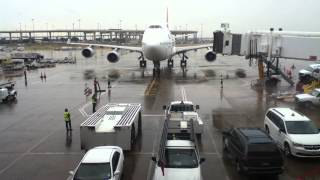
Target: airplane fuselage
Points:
(158, 43)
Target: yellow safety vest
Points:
(66, 116)
(94, 100)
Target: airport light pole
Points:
(73, 28)
(201, 32)
(79, 20)
(47, 26)
(33, 26)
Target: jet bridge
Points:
(268, 47)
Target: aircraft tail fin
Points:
(167, 18)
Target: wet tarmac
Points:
(34, 144)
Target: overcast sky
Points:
(242, 15)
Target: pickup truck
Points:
(184, 111)
(7, 91)
(313, 98)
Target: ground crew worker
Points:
(67, 119)
(96, 85)
(41, 76)
(221, 81)
(109, 84)
(94, 103)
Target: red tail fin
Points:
(167, 18)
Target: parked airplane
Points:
(158, 44)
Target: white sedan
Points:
(100, 163)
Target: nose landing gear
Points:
(156, 69)
(170, 63)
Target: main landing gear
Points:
(183, 64)
(170, 63)
(143, 63)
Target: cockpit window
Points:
(155, 27)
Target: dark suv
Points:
(253, 151)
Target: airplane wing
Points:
(128, 48)
(191, 48)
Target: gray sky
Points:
(243, 15)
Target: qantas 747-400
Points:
(158, 44)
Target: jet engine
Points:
(113, 56)
(210, 56)
(87, 52)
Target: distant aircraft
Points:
(158, 44)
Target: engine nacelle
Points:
(113, 56)
(87, 52)
(210, 56)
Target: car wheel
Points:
(225, 144)
(308, 104)
(267, 130)
(287, 150)
(238, 167)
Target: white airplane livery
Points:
(158, 44)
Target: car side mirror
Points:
(197, 107)
(281, 130)
(71, 173)
(202, 160)
(154, 159)
(164, 107)
(116, 173)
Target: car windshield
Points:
(309, 69)
(301, 127)
(263, 149)
(181, 107)
(314, 93)
(93, 171)
(181, 158)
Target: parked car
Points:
(253, 151)
(102, 162)
(312, 98)
(294, 133)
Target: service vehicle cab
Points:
(312, 98)
(294, 133)
(7, 91)
(102, 162)
(311, 71)
(184, 111)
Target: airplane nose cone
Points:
(154, 52)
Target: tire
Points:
(287, 151)
(224, 144)
(133, 134)
(238, 167)
(267, 130)
(308, 104)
